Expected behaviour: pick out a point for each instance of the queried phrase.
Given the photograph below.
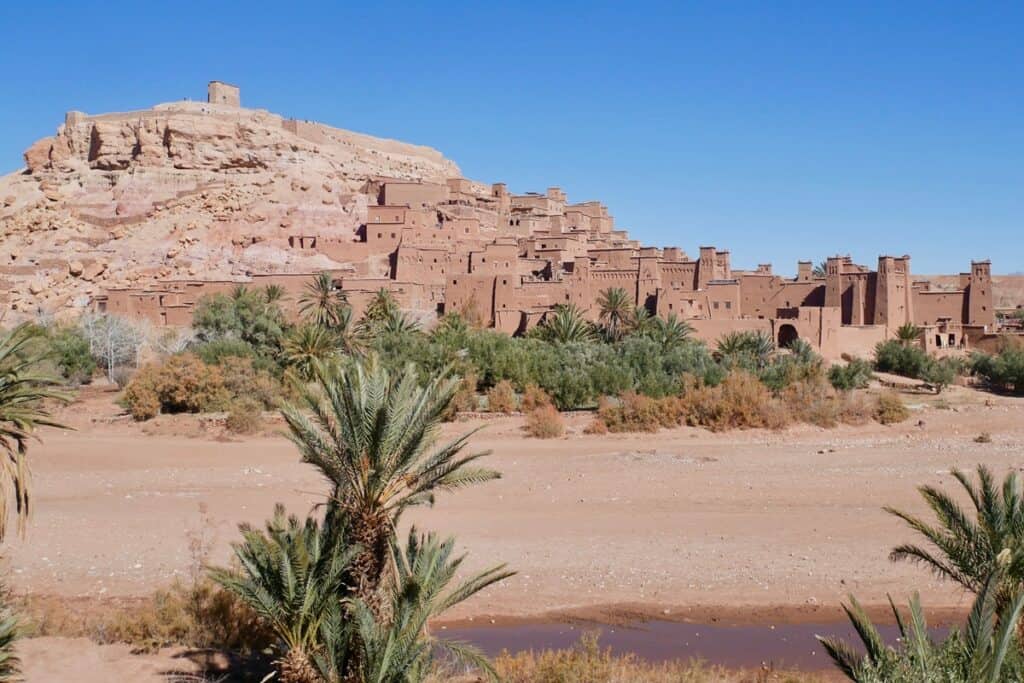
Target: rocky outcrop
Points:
(183, 190)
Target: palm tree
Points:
(373, 436)
(978, 655)
(400, 648)
(23, 393)
(399, 324)
(741, 348)
(322, 302)
(10, 665)
(908, 333)
(820, 270)
(969, 551)
(615, 308)
(567, 324)
(640, 321)
(307, 345)
(293, 576)
(670, 332)
(274, 294)
(451, 329)
(350, 337)
(382, 307)
(802, 352)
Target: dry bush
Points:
(243, 381)
(813, 402)
(501, 398)
(465, 397)
(587, 662)
(854, 408)
(141, 398)
(244, 417)
(544, 422)
(889, 409)
(186, 384)
(534, 397)
(741, 401)
(597, 427)
(197, 615)
(638, 413)
(122, 375)
(183, 384)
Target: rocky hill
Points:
(182, 190)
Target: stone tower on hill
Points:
(223, 93)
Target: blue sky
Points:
(780, 131)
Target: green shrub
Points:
(856, 374)
(940, 373)
(214, 352)
(244, 315)
(897, 358)
(1003, 371)
(72, 355)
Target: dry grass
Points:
(244, 417)
(534, 397)
(465, 399)
(741, 401)
(984, 437)
(544, 422)
(889, 408)
(589, 663)
(816, 402)
(501, 398)
(638, 413)
(195, 615)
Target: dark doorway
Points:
(787, 335)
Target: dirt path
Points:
(744, 526)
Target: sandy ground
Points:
(743, 526)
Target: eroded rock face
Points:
(183, 190)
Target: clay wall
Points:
(414, 195)
(471, 294)
(931, 307)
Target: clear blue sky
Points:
(779, 130)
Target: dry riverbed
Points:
(744, 527)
